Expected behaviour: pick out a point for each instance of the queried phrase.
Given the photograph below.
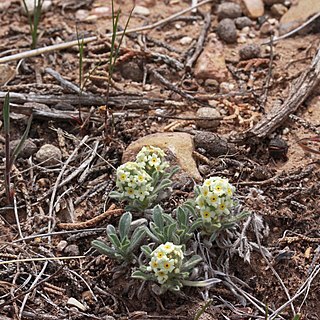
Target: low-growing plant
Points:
(164, 228)
(143, 183)
(169, 268)
(123, 245)
(215, 204)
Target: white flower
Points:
(206, 215)
(168, 247)
(168, 265)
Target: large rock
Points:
(253, 8)
(298, 14)
(178, 145)
(211, 63)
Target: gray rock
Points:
(49, 155)
(243, 22)
(213, 144)
(249, 51)
(227, 31)
(207, 112)
(229, 10)
(72, 250)
(132, 70)
(28, 149)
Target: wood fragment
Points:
(92, 222)
(200, 42)
(300, 90)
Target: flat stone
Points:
(211, 63)
(253, 8)
(178, 145)
(229, 10)
(49, 155)
(298, 14)
(227, 31)
(207, 112)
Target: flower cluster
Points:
(166, 261)
(151, 159)
(133, 182)
(215, 199)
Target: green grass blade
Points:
(21, 142)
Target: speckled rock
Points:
(249, 51)
(253, 8)
(207, 112)
(132, 70)
(229, 10)
(178, 146)
(243, 22)
(213, 144)
(49, 155)
(211, 63)
(227, 30)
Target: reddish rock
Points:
(211, 63)
(253, 8)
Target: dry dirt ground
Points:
(279, 184)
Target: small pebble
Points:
(245, 30)
(185, 40)
(229, 10)
(243, 22)
(226, 87)
(227, 31)
(140, 10)
(208, 113)
(72, 250)
(266, 28)
(61, 245)
(249, 51)
(278, 10)
(49, 155)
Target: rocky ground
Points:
(225, 89)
